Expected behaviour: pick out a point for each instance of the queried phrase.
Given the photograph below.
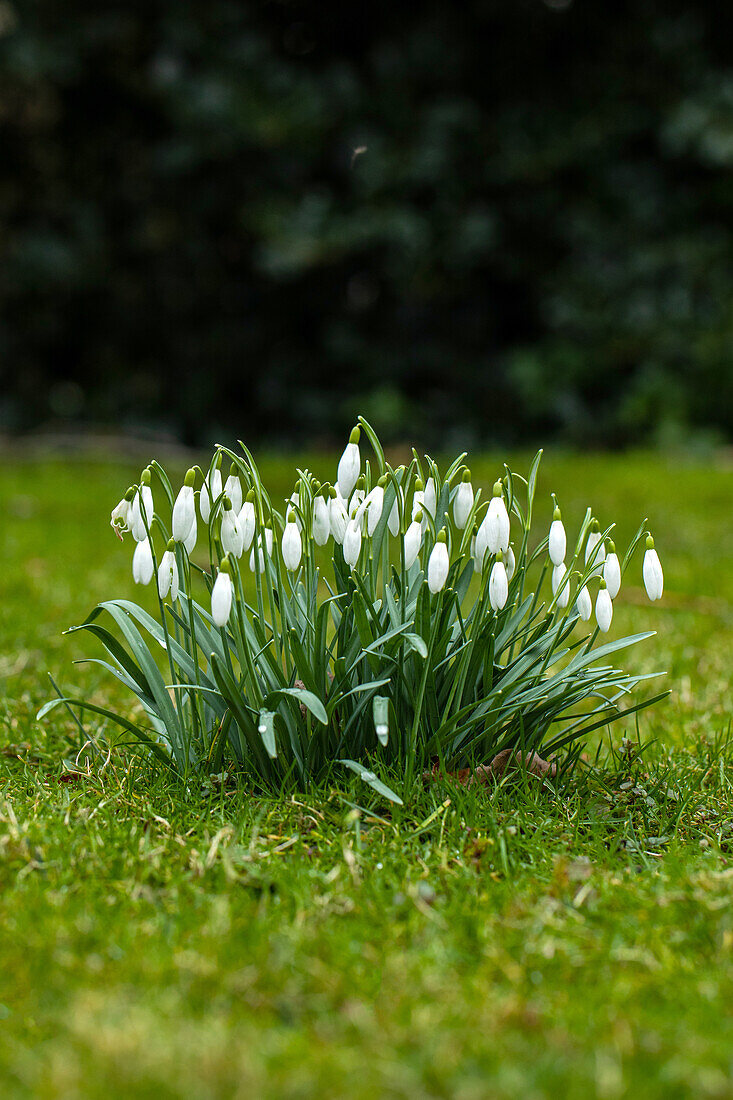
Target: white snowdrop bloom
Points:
(190, 541)
(257, 555)
(481, 542)
(355, 510)
(294, 498)
(321, 521)
(594, 549)
(352, 542)
(612, 571)
(393, 521)
(292, 545)
(511, 563)
(561, 577)
(604, 608)
(652, 571)
(221, 595)
(463, 501)
(121, 514)
(338, 516)
(584, 603)
(498, 584)
(430, 499)
(438, 564)
(233, 489)
(418, 496)
(142, 563)
(232, 539)
(557, 541)
(210, 491)
(247, 520)
(168, 573)
(413, 540)
(478, 562)
(141, 509)
(349, 466)
(498, 529)
(372, 506)
(184, 509)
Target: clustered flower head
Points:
(409, 519)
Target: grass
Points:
(163, 943)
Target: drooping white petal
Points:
(557, 542)
(233, 489)
(352, 543)
(374, 504)
(140, 512)
(247, 523)
(595, 551)
(232, 538)
(168, 576)
(511, 563)
(120, 516)
(498, 586)
(349, 468)
(221, 599)
(210, 493)
(393, 522)
(498, 528)
(257, 555)
(604, 610)
(438, 566)
(321, 522)
(413, 542)
(584, 604)
(190, 541)
(653, 575)
(291, 546)
(338, 517)
(184, 513)
(561, 577)
(142, 563)
(462, 504)
(612, 574)
(430, 500)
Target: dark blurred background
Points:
(474, 222)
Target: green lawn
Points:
(510, 943)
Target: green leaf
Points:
(371, 779)
(310, 701)
(266, 730)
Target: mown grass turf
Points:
(519, 942)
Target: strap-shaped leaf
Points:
(266, 730)
(371, 779)
(302, 696)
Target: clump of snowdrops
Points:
(392, 619)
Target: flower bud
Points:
(349, 466)
(652, 571)
(612, 571)
(141, 509)
(221, 595)
(168, 573)
(321, 521)
(595, 552)
(584, 604)
(557, 542)
(438, 564)
(247, 520)
(463, 501)
(233, 489)
(430, 500)
(352, 543)
(604, 608)
(498, 584)
(184, 509)
(413, 540)
(338, 516)
(142, 563)
(393, 521)
(511, 563)
(232, 539)
(291, 546)
(561, 585)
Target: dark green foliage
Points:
(535, 241)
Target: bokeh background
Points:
(492, 222)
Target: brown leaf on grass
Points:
(486, 773)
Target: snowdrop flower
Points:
(184, 509)
(141, 509)
(493, 534)
(498, 584)
(358, 496)
(211, 490)
(561, 577)
(233, 489)
(393, 521)
(652, 571)
(168, 573)
(291, 546)
(594, 549)
(430, 500)
(337, 515)
(221, 595)
(413, 540)
(584, 604)
(142, 563)
(438, 564)
(257, 561)
(604, 608)
(612, 571)
(463, 501)
(372, 506)
(511, 563)
(190, 541)
(232, 539)
(349, 466)
(121, 514)
(557, 542)
(321, 521)
(247, 519)
(352, 542)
